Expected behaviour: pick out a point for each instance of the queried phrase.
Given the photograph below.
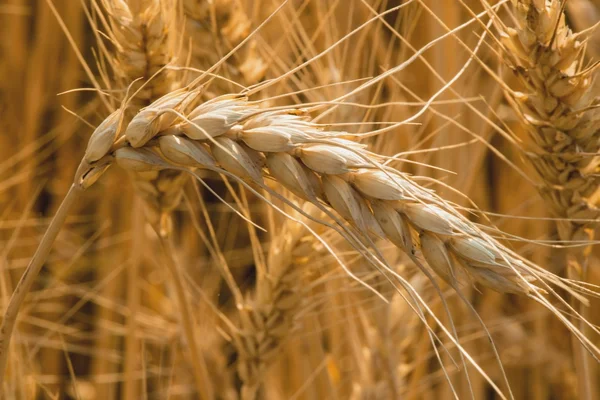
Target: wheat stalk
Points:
(84, 178)
(379, 377)
(560, 110)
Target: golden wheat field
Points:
(299, 199)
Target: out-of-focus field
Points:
(271, 313)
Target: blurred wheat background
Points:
(156, 289)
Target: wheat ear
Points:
(267, 321)
(316, 165)
(559, 108)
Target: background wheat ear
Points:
(558, 105)
(146, 39)
(268, 319)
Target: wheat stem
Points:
(132, 343)
(585, 375)
(31, 272)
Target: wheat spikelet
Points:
(145, 43)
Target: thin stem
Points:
(200, 370)
(31, 272)
(132, 345)
(577, 269)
